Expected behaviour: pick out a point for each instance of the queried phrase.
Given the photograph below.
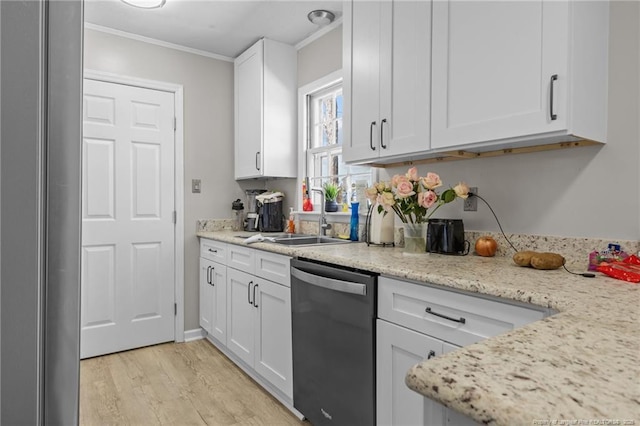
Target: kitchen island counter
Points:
(581, 364)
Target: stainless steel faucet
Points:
(322, 222)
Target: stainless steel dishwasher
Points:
(333, 314)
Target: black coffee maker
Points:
(446, 236)
(271, 215)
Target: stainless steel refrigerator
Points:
(40, 166)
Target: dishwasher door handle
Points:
(330, 283)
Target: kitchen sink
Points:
(299, 239)
(308, 240)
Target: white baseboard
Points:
(195, 334)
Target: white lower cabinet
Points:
(272, 335)
(399, 349)
(213, 299)
(248, 311)
(418, 322)
(240, 314)
(259, 327)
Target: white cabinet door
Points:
(405, 75)
(219, 302)
(399, 349)
(206, 294)
(387, 52)
(240, 314)
(273, 353)
(265, 111)
(248, 111)
(361, 61)
(492, 69)
(213, 299)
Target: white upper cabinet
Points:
(387, 53)
(265, 83)
(518, 70)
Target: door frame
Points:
(178, 178)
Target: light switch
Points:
(195, 186)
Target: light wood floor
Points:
(174, 384)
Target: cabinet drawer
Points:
(241, 258)
(213, 250)
(273, 267)
(455, 317)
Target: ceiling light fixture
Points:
(321, 17)
(145, 4)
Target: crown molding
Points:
(157, 42)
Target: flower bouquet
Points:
(414, 199)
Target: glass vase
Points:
(415, 237)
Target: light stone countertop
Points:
(582, 364)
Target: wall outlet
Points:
(471, 203)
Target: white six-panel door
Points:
(127, 218)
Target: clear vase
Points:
(415, 237)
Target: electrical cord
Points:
(471, 194)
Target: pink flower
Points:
(396, 179)
(412, 174)
(404, 189)
(462, 190)
(427, 199)
(431, 181)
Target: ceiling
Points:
(220, 27)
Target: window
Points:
(322, 121)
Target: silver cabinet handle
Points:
(384, 120)
(552, 84)
(460, 320)
(373, 123)
(257, 163)
(330, 283)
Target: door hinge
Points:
(175, 124)
(175, 309)
(175, 216)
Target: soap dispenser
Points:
(354, 223)
(291, 224)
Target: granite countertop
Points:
(581, 364)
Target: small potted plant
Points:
(331, 191)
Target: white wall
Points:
(208, 131)
(584, 192)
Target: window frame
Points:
(304, 151)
